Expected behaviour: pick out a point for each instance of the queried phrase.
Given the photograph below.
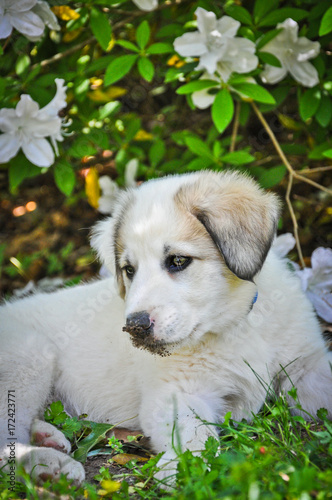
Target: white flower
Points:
(293, 53)
(216, 45)
(146, 4)
(27, 127)
(317, 282)
(42, 9)
(284, 244)
(130, 173)
(27, 16)
(110, 189)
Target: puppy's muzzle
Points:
(139, 324)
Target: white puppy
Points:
(189, 254)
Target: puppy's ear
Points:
(101, 240)
(239, 216)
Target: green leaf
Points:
(82, 86)
(262, 7)
(71, 427)
(328, 153)
(324, 112)
(222, 110)
(82, 147)
(110, 108)
(3, 84)
(160, 48)
(198, 147)
(145, 68)
(100, 27)
(267, 38)
(199, 163)
(195, 86)
(99, 137)
(127, 45)
(64, 177)
(244, 113)
(143, 34)
(309, 102)
(269, 58)
(326, 23)
(294, 149)
(21, 168)
(33, 74)
(239, 13)
(238, 158)
(171, 30)
(255, 92)
(319, 63)
(97, 434)
(280, 93)
(55, 413)
(157, 152)
(180, 136)
(173, 74)
(279, 15)
(98, 64)
(132, 128)
(272, 176)
(22, 64)
(317, 153)
(118, 68)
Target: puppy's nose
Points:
(138, 324)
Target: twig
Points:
(92, 39)
(317, 169)
(309, 181)
(280, 152)
(235, 126)
(293, 217)
(6, 42)
(65, 53)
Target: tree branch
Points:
(235, 126)
(293, 217)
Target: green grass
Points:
(276, 456)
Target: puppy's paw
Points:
(45, 434)
(48, 463)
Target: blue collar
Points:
(253, 301)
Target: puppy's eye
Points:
(129, 270)
(175, 263)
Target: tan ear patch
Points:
(239, 217)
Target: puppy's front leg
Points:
(174, 422)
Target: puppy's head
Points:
(185, 251)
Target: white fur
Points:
(70, 344)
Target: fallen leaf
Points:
(124, 458)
